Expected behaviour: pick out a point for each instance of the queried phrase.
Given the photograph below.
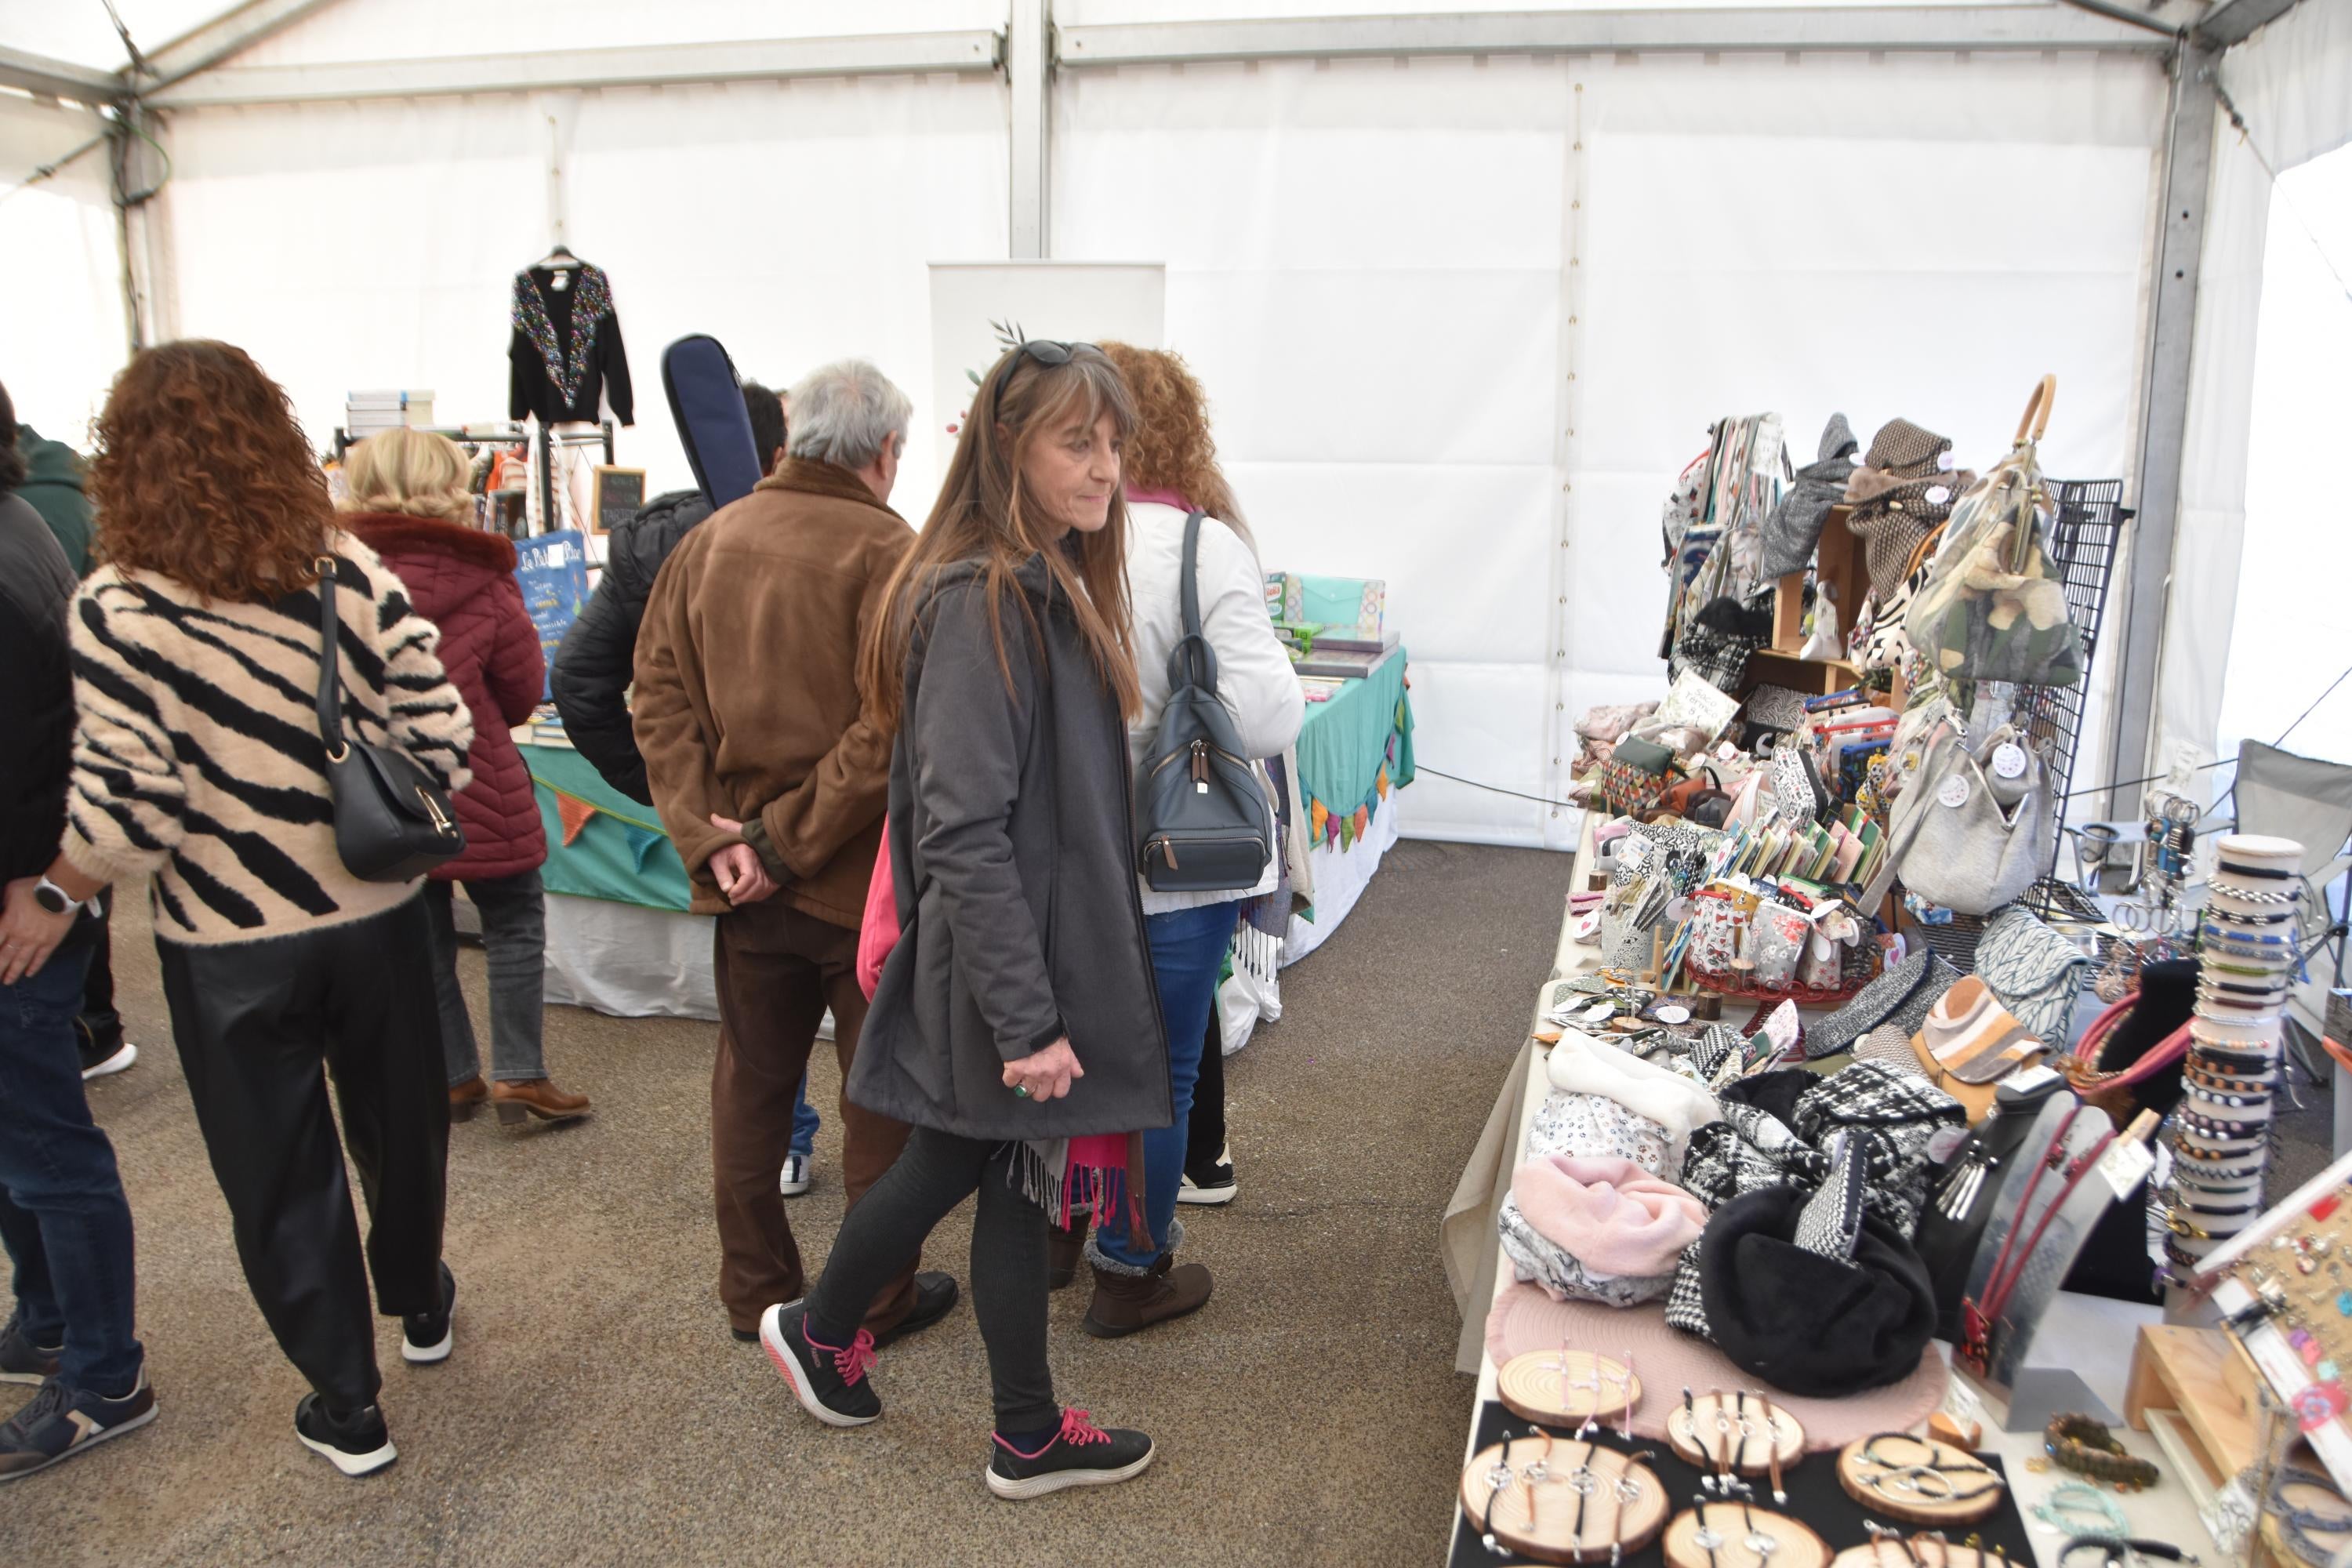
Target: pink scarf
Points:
(1608, 1214)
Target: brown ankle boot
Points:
(467, 1098)
(1063, 1251)
(1127, 1303)
(538, 1097)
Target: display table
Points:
(619, 939)
(2092, 1336)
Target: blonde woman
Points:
(408, 501)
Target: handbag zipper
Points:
(1196, 754)
(1167, 845)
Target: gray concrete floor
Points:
(596, 1411)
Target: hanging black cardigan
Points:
(566, 353)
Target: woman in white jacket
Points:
(1170, 469)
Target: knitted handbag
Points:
(1993, 609)
(2034, 972)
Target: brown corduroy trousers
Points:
(778, 970)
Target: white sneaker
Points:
(94, 1065)
(796, 1175)
(1219, 1188)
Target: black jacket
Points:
(36, 704)
(595, 664)
(565, 359)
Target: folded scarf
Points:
(1612, 1216)
(1583, 1065)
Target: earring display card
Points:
(1815, 1496)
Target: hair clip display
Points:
(1919, 1480)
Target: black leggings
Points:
(883, 1231)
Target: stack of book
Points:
(365, 413)
(543, 728)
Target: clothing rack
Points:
(507, 433)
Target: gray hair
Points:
(845, 414)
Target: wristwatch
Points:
(52, 898)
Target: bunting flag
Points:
(1363, 820)
(1322, 822)
(575, 814)
(1380, 784)
(642, 842)
(1346, 833)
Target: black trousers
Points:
(881, 1234)
(1205, 1137)
(256, 1023)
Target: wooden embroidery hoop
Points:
(1796, 1545)
(1535, 1388)
(1702, 1448)
(1854, 1473)
(1538, 1521)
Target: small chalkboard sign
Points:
(618, 495)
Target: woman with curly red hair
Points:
(198, 766)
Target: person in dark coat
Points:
(1016, 1021)
(594, 668)
(595, 664)
(407, 501)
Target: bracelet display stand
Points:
(1735, 1535)
(1932, 1485)
(1561, 1501)
(2034, 1393)
(1712, 1424)
(1563, 1387)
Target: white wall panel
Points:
(792, 222)
(62, 334)
(425, 29)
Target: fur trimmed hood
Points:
(397, 533)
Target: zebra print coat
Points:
(196, 752)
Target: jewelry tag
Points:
(2124, 1165)
(1588, 926)
(1670, 1013)
(1599, 1011)
(1944, 464)
(1954, 790)
(2009, 760)
(1938, 494)
(1780, 1028)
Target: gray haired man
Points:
(772, 784)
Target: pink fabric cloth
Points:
(880, 934)
(1608, 1214)
(1164, 497)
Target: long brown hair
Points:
(1171, 448)
(986, 514)
(202, 475)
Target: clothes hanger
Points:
(558, 260)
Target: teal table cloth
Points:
(1346, 742)
(618, 851)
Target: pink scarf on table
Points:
(1058, 1173)
(1609, 1215)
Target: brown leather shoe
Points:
(538, 1097)
(1127, 1303)
(467, 1098)
(1063, 1251)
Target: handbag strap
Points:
(1925, 548)
(1191, 662)
(330, 686)
(2037, 411)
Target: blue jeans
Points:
(62, 1214)
(1188, 949)
(805, 1122)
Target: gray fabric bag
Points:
(1794, 529)
(1955, 846)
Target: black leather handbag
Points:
(1207, 824)
(392, 822)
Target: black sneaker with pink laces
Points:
(1079, 1455)
(829, 1379)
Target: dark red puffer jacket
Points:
(462, 580)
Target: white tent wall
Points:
(1372, 266)
(2292, 83)
(63, 332)
(374, 244)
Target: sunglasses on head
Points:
(1045, 351)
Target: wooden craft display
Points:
(1538, 1386)
(1560, 1501)
(1735, 1535)
(1919, 1480)
(1893, 1551)
(1701, 1427)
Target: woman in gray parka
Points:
(1017, 1011)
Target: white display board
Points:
(1070, 302)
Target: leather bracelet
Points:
(2078, 1443)
(2252, 1128)
(2265, 873)
(2233, 1211)
(2230, 917)
(2249, 1058)
(2240, 1082)
(2222, 1183)
(2261, 895)
(2234, 1101)
(2120, 1550)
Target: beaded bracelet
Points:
(2078, 1442)
(2074, 1498)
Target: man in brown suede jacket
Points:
(772, 783)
